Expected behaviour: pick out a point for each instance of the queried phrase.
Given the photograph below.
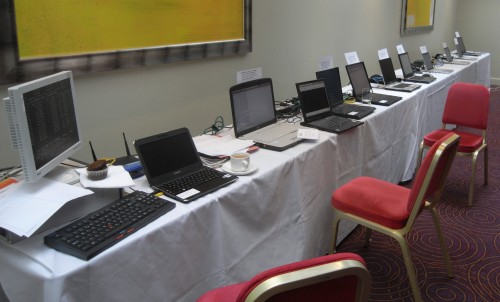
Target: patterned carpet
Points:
(472, 235)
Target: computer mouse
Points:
(426, 75)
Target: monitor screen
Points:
(404, 60)
(252, 105)
(427, 61)
(461, 44)
(333, 85)
(447, 52)
(388, 72)
(43, 123)
(358, 77)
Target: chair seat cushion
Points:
(227, 293)
(469, 142)
(373, 199)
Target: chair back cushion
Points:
(343, 288)
(468, 105)
(439, 170)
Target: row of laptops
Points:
(172, 156)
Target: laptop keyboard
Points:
(333, 122)
(190, 181)
(101, 229)
(273, 133)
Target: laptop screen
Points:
(387, 71)
(333, 85)
(252, 105)
(404, 60)
(165, 154)
(358, 77)
(447, 52)
(313, 98)
(427, 61)
(461, 44)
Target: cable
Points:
(217, 126)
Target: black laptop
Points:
(408, 74)
(464, 51)
(359, 81)
(254, 116)
(336, 97)
(391, 82)
(317, 111)
(450, 60)
(173, 166)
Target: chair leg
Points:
(472, 179)
(420, 153)
(444, 248)
(333, 243)
(368, 236)
(485, 155)
(412, 275)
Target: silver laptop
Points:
(391, 81)
(429, 66)
(254, 116)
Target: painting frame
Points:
(15, 70)
(417, 20)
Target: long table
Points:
(279, 214)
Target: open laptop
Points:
(317, 111)
(449, 58)
(408, 74)
(461, 45)
(254, 116)
(391, 82)
(359, 81)
(170, 161)
(429, 66)
(336, 97)
(460, 54)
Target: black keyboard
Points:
(352, 111)
(190, 181)
(335, 124)
(99, 230)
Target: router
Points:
(130, 163)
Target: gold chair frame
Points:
(399, 234)
(312, 275)
(473, 156)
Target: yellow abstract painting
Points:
(52, 28)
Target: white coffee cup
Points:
(240, 161)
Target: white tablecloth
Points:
(280, 214)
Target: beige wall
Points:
(478, 23)
(289, 38)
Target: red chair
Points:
(391, 209)
(467, 105)
(340, 277)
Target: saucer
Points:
(227, 168)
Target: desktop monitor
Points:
(43, 123)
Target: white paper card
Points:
(248, 75)
(308, 133)
(445, 45)
(423, 49)
(326, 63)
(455, 40)
(351, 57)
(400, 49)
(383, 54)
(457, 34)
